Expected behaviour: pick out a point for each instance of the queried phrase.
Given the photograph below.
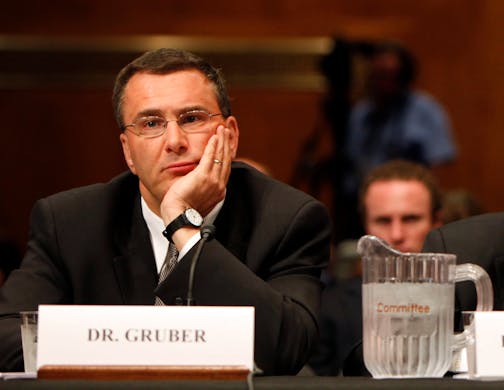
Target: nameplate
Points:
(145, 336)
(485, 352)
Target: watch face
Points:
(194, 217)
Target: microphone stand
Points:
(207, 233)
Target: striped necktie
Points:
(167, 267)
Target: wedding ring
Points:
(217, 161)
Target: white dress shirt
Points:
(160, 243)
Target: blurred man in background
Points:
(400, 202)
(372, 114)
(395, 121)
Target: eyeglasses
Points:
(154, 126)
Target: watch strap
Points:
(182, 220)
(175, 225)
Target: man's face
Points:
(384, 78)
(399, 212)
(159, 162)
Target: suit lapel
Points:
(234, 222)
(134, 265)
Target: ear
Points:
(232, 124)
(127, 153)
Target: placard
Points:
(485, 351)
(145, 335)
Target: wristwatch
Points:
(190, 217)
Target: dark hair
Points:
(402, 170)
(408, 64)
(164, 61)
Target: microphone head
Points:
(208, 232)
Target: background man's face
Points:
(399, 212)
(384, 77)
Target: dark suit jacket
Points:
(478, 240)
(340, 325)
(91, 246)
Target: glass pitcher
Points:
(408, 307)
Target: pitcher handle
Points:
(484, 292)
(477, 275)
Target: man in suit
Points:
(478, 240)
(107, 243)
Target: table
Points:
(261, 383)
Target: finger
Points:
(227, 155)
(219, 152)
(207, 159)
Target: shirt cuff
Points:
(188, 245)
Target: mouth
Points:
(181, 168)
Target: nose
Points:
(397, 235)
(175, 138)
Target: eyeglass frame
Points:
(166, 121)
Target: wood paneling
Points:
(61, 133)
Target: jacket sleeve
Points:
(285, 292)
(473, 240)
(434, 242)
(39, 280)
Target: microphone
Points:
(207, 233)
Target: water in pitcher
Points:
(407, 328)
